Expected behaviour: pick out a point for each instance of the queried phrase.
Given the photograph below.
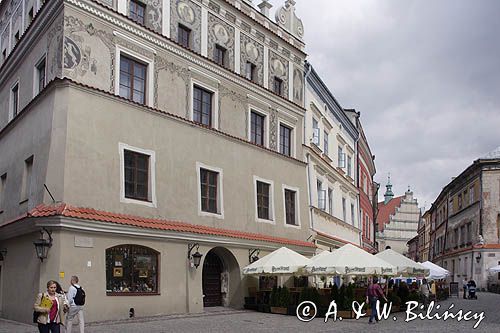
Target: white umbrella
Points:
(404, 265)
(494, 269)
(280, 261)
(320, 255)
(435, 272)
(350, 260)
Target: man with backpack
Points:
(76, 298)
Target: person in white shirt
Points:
(74, 309)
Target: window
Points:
(250, 71)
(462, 235)
(40, 75)
(30, 16)
(131, 269)
(344, 210)
(15, 100)
(183, 37)
(202, 106)
(325, 143)
(290, 205)
(136, 175)
(315, 132)
(471, 195)
(321, 195)
(459, 201)
(137, 10)
(349, 166)
(469, 233)
(219, 55)
(352, 214)
(330, 201)
(208, 181)
(450, 206)
(456, 237)
(278, 86)
(27, 179)
(341, 158)
(263, 200)
(132, 80)
(3, 186)
(285, 140)
(257, 128)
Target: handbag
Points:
(35, 316)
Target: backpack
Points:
(80, 296)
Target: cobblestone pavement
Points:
(218, 320)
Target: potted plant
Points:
(395, 300)
(346, 297)
(279, 300)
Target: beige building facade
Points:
(330, 149)
(134, 134)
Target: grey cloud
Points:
(425, 76)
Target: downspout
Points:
(309, 190)
(308, 159)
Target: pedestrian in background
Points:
(373, 294)
(76, 298)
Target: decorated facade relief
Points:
(252, 51)
(287, 19)
(278, 67)
(88, 54)
(188, 14)
(298, 86)
(222, 34)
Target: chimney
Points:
(264, 7)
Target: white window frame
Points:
(36, 76)
(271, 200)
(349, 166)
(292, 136)
(11, 99)
(330, 200)
(220, 195)
(252, 108)
(215, 101)
(140, 58)
(316, 134)
(298, 225)
(152, 175)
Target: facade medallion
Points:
(185, 12)
(221, 34)
(278, 67)
(251, 51)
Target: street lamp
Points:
(3, 253)
(196, 257)
(42, 245)
(478, 258)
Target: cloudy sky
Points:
(425, 76)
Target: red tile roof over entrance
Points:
(384, 211)
(151, 223)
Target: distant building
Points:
(413, 248)
(424, 228)
(397, 220)
(465, 222)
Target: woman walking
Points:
(51, 307)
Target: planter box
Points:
(292, 310)
(279, 310)
(395, 308)
(345, 314)
(251, 307)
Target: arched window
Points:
(131, 269)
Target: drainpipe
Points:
(311, 225)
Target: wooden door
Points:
(212, 269)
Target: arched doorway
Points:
(211, 280)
